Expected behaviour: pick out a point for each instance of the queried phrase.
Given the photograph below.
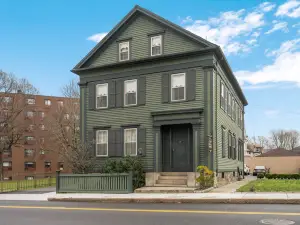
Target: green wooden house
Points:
(154, 90)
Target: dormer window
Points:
(156, 45)
(124, 51)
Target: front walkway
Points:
(232, 187)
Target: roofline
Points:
(137, 8)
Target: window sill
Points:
(101, 156)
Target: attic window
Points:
(124, 51)
(156, 45)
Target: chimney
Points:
(19, 91)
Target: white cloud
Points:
(228, 27)
(278, 26)
(296, 25)
(255, 34)
(251, 41)
(271, 113)
(97, 37)
(285, 67)
(187, 19)
(266, 6)
(256, 87)
(291, 9)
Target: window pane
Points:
(124, 50)
(156, 50)
(102, 102)
(130, 139)
(130, 88)
(102, 89)
(178, 80)
(101, 149)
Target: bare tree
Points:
(287, 139)
(13, 95)
(65, 133)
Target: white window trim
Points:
(160, 44)
(222, 95)
(135, 95)
(130, 142)
(106, 131)
(105, 84)
(176, 74)
(120, 51)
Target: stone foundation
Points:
(224, 178)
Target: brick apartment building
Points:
(29, 159)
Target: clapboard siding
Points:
(225, 164)
(138, 29)
(142, 114)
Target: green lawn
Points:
(271, 185)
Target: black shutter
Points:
(191, 85)
(119, 143)
(111, 143)
(141, 91)
(141, 142)
(92, 142)
(119, 93)
(92, 96)
(165, 87)
(112, 94)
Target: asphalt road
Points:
(57, 213)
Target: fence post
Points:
(57, 180)
(130, 182)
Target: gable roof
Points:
(279, 152)
(210, 46)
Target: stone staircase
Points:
(172, 179)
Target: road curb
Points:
(175, 200)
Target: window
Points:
(60, 103)
(29, 114)
(242, 119)
(238, 116)
(233, 109)
(76, 117)
(3, 124)
(7, 164)
(233, 144)
(47, 102)
(42, 140)
(130, 141)
(229, 104)
(226, 97)
(3, 139)
(156, 45)
(223, 142)
(130, 92)
(60, 165)
(48, 165)
(67, 128)
(229, 145)
(31, 101)
(7, 99)
(29, 177)
(178, 87)
(66, 116)
(101, 143)
(222, 96)
(29, 165)
(7, 178)
(28, 152)
(31, 127)
(240, 150)
(101, 96)
(42, 126)
(29, 138)
(42, 114)
(124, 51)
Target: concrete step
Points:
(173, 174)
(170, 185)
(172, 177)
(173, 182)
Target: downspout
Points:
(216, 118)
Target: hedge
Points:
(283, 176)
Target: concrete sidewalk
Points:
(234, 198)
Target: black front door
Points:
(177, 148)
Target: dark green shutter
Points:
(92, 96)
(141, 142)
(119, 143)
(92, 141)
(191, 85)
(165, 87)
(112, 94)
(141, 91)
(119, 93)
(111, 143)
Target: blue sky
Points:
(43, 40)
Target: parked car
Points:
(259, 169)
(246, 169)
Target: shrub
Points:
(260, 175)
(125, 165)
(283, 176)
(206, 177)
